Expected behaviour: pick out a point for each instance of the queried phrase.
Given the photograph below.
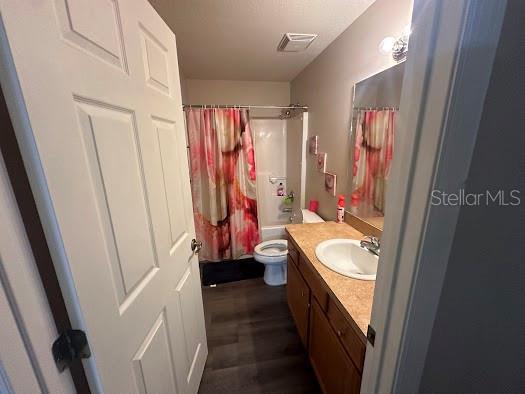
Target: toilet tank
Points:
(311, 217)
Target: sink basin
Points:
(348, 258)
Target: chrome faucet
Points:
(371, 244)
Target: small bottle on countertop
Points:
(341, 209)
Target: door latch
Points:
(196, 246)
(71, 345)
(371, 335)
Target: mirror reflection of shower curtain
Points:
(222, 163)
(373, 152)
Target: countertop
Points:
(355, 296)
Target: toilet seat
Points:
(272, 248)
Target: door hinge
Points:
(371, 335)
(69, 346)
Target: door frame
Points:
(27, 275)
(446, 78)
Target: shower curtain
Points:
(373, 152)
(222, 163)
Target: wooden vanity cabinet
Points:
(335, 348)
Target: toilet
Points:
(273, 253)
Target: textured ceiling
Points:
(237, 39)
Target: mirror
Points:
(374, 114)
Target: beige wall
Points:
(200, 91)
(325, 85)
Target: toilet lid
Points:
(274, 247)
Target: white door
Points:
(100, 83)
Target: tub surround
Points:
(353, 296)
(270, 158)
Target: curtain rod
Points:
(304, 108)
(376, 108)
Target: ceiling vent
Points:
(295, 42)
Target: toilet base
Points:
(275, 274)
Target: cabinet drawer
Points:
(347, 334)
(293, 254)
(315, 283)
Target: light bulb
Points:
(386, 45)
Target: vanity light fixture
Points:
(399, 47)
(386, 45)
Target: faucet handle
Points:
(373, 240)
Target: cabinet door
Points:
(298, 295)
(293, 254)
(335, 371)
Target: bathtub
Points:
(272, 232)
(278, 231)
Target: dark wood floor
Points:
(253, 344)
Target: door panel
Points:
(155, 62)
(172, 178)
(103, 39)
(113, 151)
(102, 95)
(153, 357)
(184, 322)
(185, 295)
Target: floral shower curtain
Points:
(222, 162)
(373, 152)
